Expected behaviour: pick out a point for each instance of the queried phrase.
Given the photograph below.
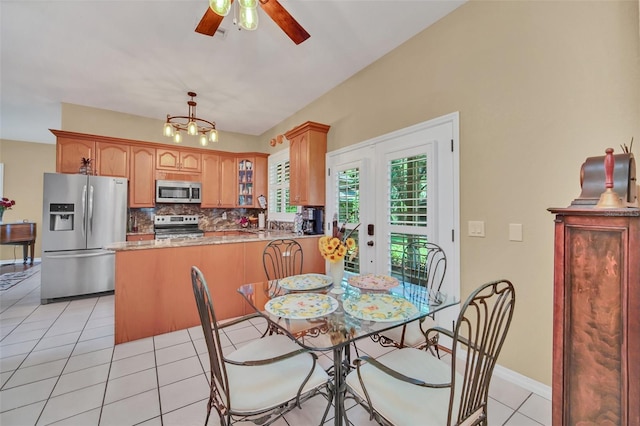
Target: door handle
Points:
(370, 243)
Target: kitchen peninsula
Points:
(153, 293)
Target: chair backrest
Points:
(478, 336)
(424, 264)
(282, 258)
(211, 335)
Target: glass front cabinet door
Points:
(246, 178)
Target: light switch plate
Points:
(515, 232)
(476, 228)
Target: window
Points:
(278, 203)
(348, 203)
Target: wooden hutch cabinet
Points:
(307, 168)
(596, 336)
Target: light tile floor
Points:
(59, 365)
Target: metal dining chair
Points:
(424, 266)
(282, 258)
(261, 381)
(410, 386)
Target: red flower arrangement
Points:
(6, 204)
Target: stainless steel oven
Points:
(176, 226)
(175, 191)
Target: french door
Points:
(396, 189)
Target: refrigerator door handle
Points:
(84, 216)
(73, 256)
(91, 208)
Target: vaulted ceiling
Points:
(141, 57)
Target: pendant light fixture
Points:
(192, 124)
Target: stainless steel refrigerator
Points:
(81, 214)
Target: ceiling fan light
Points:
(220, 7)
(192, 128)
(248, 15)
(177, 138)
(168, 130)
(213, 136)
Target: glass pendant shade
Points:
(168, 130)
(213, 136)
(192, 128)
(203, 140)
(248, 16)
(220, 7)
(177, 138)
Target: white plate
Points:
(305, 282)
(301, 305)
(379, 307)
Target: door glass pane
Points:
(397, 245)
(348, 211)
(408, 191)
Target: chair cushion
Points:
(413, 335)
(254, 388)
(402, 403)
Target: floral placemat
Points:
(301, 305)
(305, 282)
(373, 282)
(379, 307)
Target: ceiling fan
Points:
(211, 19)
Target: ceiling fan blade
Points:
(284, 20)
(209, 23)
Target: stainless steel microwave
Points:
(175, 191)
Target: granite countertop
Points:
(245, 237)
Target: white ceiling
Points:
(142, 56)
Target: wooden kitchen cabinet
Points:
(112, 159)
(142, 184)
(218, 180)
(596, 335)
(70, 152)
(141, 237)
(308, 147)
(178, 160)
(252, 180)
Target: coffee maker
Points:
(312, 221)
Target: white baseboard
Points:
(17, 261)
(523, 381)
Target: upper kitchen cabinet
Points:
(252, 179)
(70, 152)
(142, 176)
(307, 164)
(218, 180)
(112, 159)
(178, 160)
(108, 158)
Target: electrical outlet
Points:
(515, 232)
(476, 228)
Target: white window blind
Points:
(407, 196)
(278, 202)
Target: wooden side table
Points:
(21, 233)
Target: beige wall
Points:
(539, 86)
(81, 119)
(24, 164)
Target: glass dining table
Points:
(324, 317)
